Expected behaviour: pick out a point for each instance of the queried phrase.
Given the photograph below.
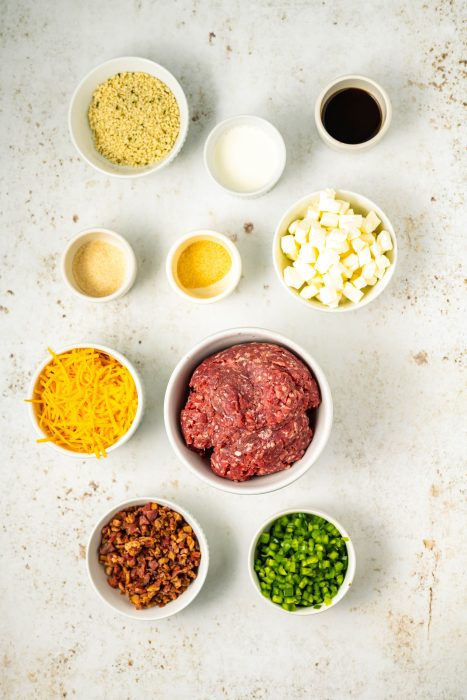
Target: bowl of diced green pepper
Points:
(302, 561)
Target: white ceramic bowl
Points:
(139, 389)
(215, 292)
(113, 597)
(362, 83)
(361, 205)
(101, 234)
(177, 393)
(78, 123)
(351, 564)
(244, 120)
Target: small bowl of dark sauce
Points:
(352, 113)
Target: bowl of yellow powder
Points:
(203, 266)
(128, 117)
(99, 265)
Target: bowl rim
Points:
(226, 242)
(182, 104)
(381, 284)
(252, 486)
(352, 147)
(129, 256)
(190, 519)
(264, 124)
(139, 390)
(349, 574)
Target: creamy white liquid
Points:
(245, 158)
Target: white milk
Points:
(245, 158)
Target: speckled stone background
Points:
(393, 469)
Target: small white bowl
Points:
(362, 83)
(113, 597)
(215, 292)
(349, 575)
(244, 120)
(139, 390)
(78, 123)
(361, 205)
(101, 234)
(177, 393)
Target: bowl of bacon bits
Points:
(147, 558)
(85, 400)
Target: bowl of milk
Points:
(245, 155)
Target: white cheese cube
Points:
(370, 222)
(364, 256)
(327, 203)
(336, 238)
(368, 270)
(336, 282)
(382, 262)
(352, 292)
(306, 270)
(350, 261)
(367, 237)
(352, 232)
(347, 274)
(359, 282)
(293, 278)
(372, 281)
(317, 237)
(350, 220)
(358, 245)
(384, 241)
(328, 295)
(311, 290)
(335, 304)
(350, 211)
(343, 248)
(329, 220)
(379, 274)
(307, 253)
(289, 247)
(326, 258)
(293, 226)
(328, 192)
(312, 213)
(344, 206)
(301, 232)
(375, 250)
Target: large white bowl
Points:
(139, 390)
(177, 393)
(78, 123)
(349, 575)
(113, 597)
(361, 205)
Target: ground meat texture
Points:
(248, 409)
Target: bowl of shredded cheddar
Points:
(85, 400)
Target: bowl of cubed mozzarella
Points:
(334, 250)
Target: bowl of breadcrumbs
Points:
(128, 117)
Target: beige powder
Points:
(99, 268)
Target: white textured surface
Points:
(392, 471)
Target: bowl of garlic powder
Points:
(99, 265)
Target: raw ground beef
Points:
(248, 410)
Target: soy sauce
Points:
(352, 116)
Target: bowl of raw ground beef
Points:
(248, 410)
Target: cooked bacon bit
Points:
(150, 554)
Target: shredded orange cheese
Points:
(85, 400)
